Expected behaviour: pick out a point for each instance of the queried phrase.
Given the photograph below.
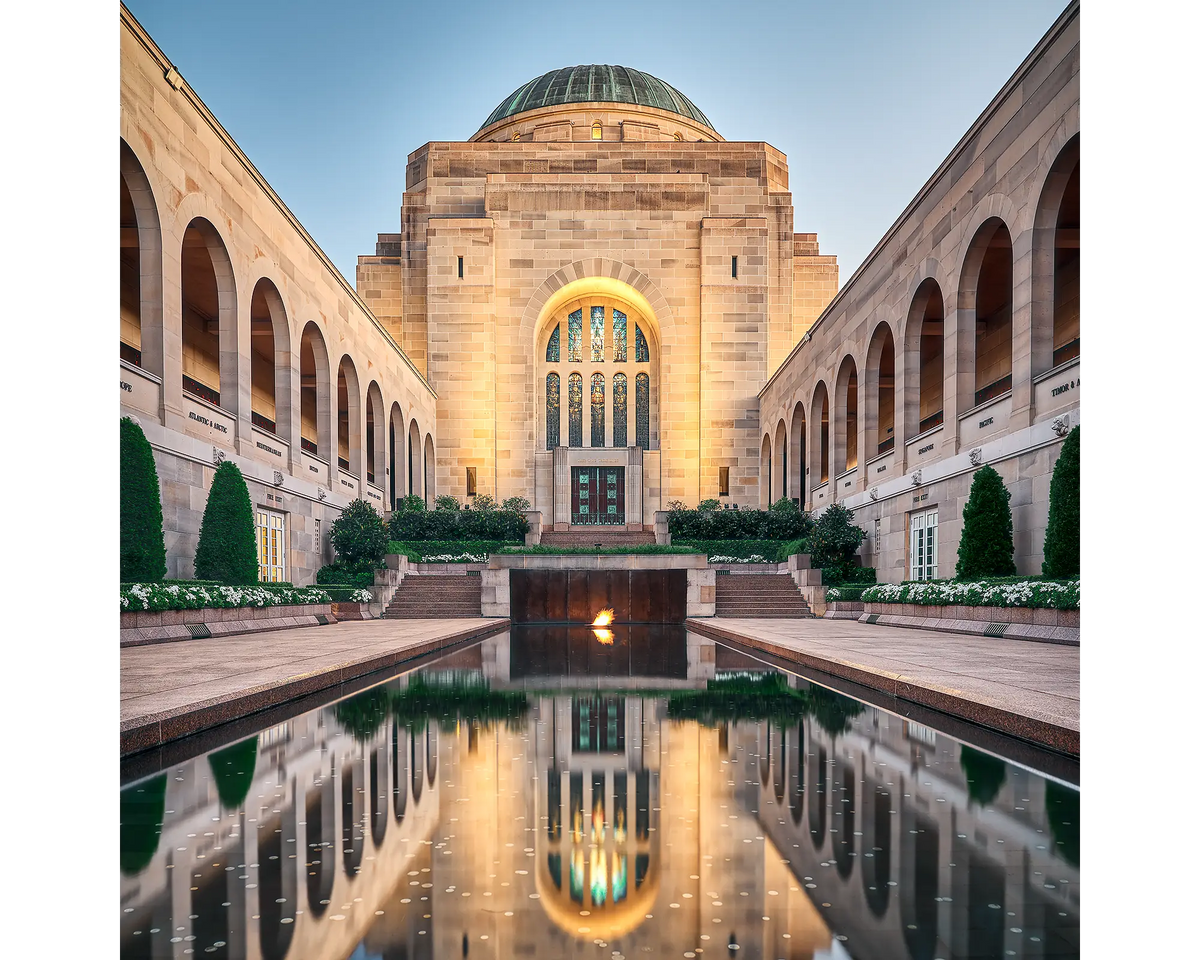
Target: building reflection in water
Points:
(484, 807)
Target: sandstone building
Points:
(598, 303)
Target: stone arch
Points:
(779, 458)
(818, 446)
(985, 316)
(317, 399)
(416, 476)
(798, 453)
(764, 473)
(353, 814)
(430, 471)
(145, 287)
(922, 404)
(378, 794)
(320, 848)
(845, 418)
(400, 750)
(879, 410)
(271, 372)
(397, 443)
(375, 436)
(349, 419)
(1054, 293)
(208, 315)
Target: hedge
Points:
(846, 594)
(174, 596)
(740, 551)
(338, 573)
(347, 593)
(143, 552)
(700, 525)
(507, 526)
(1004, 592)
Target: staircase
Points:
(760, 595)
(589, 538)
(436, 597)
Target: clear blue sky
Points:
(865, 98)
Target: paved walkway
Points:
(1019, 687)
(172, 690)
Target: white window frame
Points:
(270, 529)
(923, 544)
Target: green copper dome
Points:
(596, 83)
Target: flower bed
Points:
(136, 597)
(449, 551)
(1031, 594)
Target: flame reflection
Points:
(603, 619)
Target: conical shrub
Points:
(986, 546)
(227, 551)
(1061, 553)
(143, 555)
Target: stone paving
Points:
(1019, 687)
(171, 690)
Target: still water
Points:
(551, 792)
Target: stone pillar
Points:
(633, 488)
(495, 596)
(702, 592)
(562, 489)
(534, 519)
(662, 528)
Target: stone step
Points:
(433, 596)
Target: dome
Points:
(596, 83)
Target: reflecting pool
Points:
(549, 792)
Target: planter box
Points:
(352, 611)
(1022, 623)
(144, 626)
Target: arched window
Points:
(620, 389)
(642, 405)
(314, 393)
(986, 303)
(266, 364)
(209, 315)
(590, 365)
(141, 268)
(597, 409)
(553, 407)
(881, 392)
(924, 340)
(641, 348)
(597, 131)
(846, 423)
(575, 410)
(798, 453)
(1054, 299)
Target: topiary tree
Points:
(227, 551)
(359, 537)
(986, 546)
(1061, 553)
(143, 554)
(233, 771)
(833, 541)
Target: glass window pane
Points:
(641, 348)
(552, 410)
(552, 347)
(575, 337)
(575, 409)
(620, 338)
(620, 410)
(642, 403)
(597, 409)
(597, 334)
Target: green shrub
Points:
(700, 525)
(410, 504)
(789, 548)
(484, 503)
(1061, 552)
(986, 546)
(847, 593)
(419, 550)
(137, 597)
(447, 502)
(227, 551)
(337, 573)
(708, 506)
(347, 593)
(771, 551)
(847, 576)
(508, 526)
(1000, 592)
(360, 538)
(784, 505)
(143, 553)
(834, 541)
(515, 505)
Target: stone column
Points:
(634, 518)
(562, 489)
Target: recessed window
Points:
(733, 267)
(597, 131)
(470, 481)
(460, 268)
(724, 482)
(923, 545)
(270, 530)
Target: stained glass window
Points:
(552, 409)
(620, 410)
(575, 337)
(552, 347)
(641, 348)
(597, 409)
(642, 387)
(620, 337)
(597, 334)
(575, 409)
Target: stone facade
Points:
(214, 266)
(955, 344)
